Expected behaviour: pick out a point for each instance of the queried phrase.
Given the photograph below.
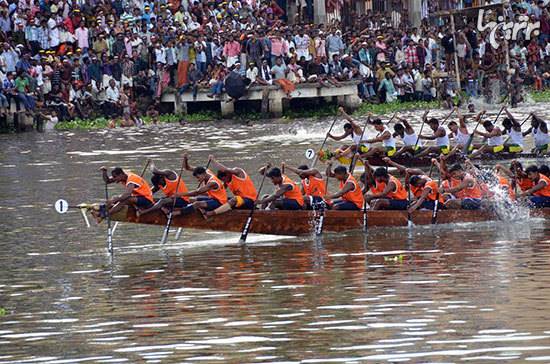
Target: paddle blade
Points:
(319, 227)
(467, 145)
(166, 229)
(246, 228)
(434, 215)
(410, 224)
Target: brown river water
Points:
(454, 293)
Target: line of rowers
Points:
(460, 187)
(457, 132)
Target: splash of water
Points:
(505, 208)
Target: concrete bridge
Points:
(272, 97)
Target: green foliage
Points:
(319, 112)
(78, 124)
(3, 311)
(540, 96)
(390, 108)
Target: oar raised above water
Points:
(358, 147)
(324, 142)
(246, 227)
(471, 137)
(409, 217)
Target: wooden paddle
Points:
(391, 119)
(447, 117)
(471, 138)
(109, 230)
(408, 185)
(246, 227)
(170, 214)
(319, 228)
(436, 202)
(357, 147)
(324, 142)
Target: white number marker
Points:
(61, 206)
(310, 154)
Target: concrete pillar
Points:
(228, 108)
(360, 7)
(177, 103)
(292, 12)
(276, 106)
(415, 12)
(352, 101)
(319, 12)
(341, 100)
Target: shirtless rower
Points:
(137, 192)
(441, 137)
(423, 188)
(409, 137)
(393, 195)
(513, 129)
(313, 185)
(385, 137)
(539, 194)
(209, 196)
(166, 181)
(465, 188)
(353, 130)
(495, 142)
(240, 185)
(286, 197)
(350, 195)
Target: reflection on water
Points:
(465, 292)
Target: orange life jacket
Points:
(219, 192)
(417, 191)
(314, 186)
(143, 189)
(524, 183)
(545, 191)
(294, 193)
(505, 184)
(355, 195)
(400, 193)
(242, 187)
(169, 189)
(468, 192)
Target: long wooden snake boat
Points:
(427, 161)
(278, 222)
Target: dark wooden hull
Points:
(301, 222)
(426, 161)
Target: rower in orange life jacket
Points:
(137, 192)
(211, 186)
(240, 185)
(313, 185)
(465, 188)
(287, 196)
(394, 195)
(425, 190)
(350, 195)
(539, 194)
(167, 181)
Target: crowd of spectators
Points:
(80, 57)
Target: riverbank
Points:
(243, 118)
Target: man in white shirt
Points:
(112, 99)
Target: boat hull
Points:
(278, 222)
(426, 161)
